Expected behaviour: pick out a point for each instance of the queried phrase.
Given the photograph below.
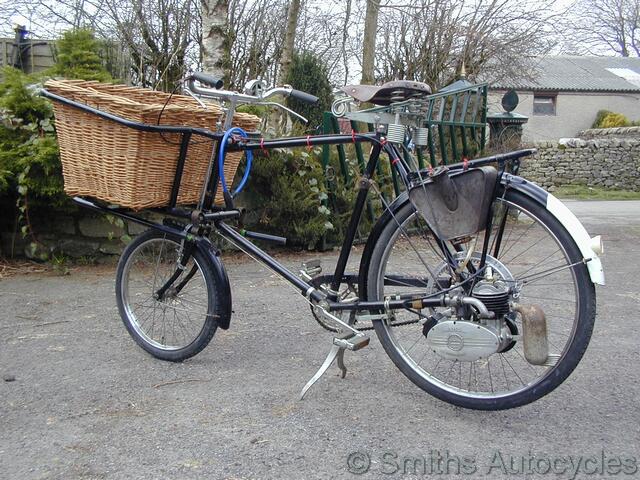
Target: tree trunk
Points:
(369, 42)
(214, 35)
(289, 39)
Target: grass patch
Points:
(582, 192)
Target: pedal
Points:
(351, 341)
(311, 268)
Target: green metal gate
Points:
(455, 123)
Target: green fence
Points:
(443, 128)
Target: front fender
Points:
(221, 279)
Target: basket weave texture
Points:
(108, 161)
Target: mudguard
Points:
(566, 218)
(221, 278)
(537, 193)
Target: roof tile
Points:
(569, 73)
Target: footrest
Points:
(351, 341)
(312, 267)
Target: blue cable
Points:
(247, 169)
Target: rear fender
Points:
(566, 217)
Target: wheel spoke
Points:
(176, 321)
(532, 261)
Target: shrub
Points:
(79, 57)
(30, 170)
(309, 74)
(615, 120)
(600, 117)
(606, 119)
(29, 158)
(286, 192)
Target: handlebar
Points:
(208, 80)
(236, 98)
(303, 96)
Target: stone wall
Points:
(79, 234)
(607, 158)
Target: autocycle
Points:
(479, 284)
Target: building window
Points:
(544, 104)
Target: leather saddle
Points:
(390, 92)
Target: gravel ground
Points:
(80, 400)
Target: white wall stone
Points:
(608, 158)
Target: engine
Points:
(468, 341)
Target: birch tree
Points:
(293, 12)
(214, 48)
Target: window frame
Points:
(554, 102)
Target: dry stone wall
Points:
(608, 158)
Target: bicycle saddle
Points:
(390, 92)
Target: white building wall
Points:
(575, 111)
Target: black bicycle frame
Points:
(214, 217)
(364, 183)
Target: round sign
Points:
(510, 100)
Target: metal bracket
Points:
(364, 183)
(323, 311)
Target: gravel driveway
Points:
(88, 403)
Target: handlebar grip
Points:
(207, 79)
(303, 96)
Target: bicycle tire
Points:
(376, 259)
(137, 278)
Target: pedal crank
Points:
(310, 269)
(351, 341)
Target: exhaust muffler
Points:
(534, 333)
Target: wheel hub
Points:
(466, 339)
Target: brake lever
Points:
(192, 95)
(292, 112)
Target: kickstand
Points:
(336, 352)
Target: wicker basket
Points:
(127, 167)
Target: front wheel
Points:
(179, 323)
(531, 256)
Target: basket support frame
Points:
(177, 179)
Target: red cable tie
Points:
(353, 135)
(383, 142)
(395, 160)
(309, 146)
(465, 163)
(264, 150)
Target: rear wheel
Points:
(535, 257)
(181, 322)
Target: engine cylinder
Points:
(494, 295)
